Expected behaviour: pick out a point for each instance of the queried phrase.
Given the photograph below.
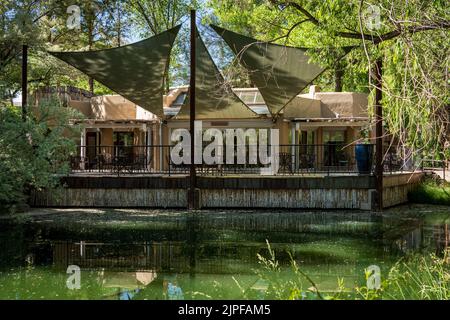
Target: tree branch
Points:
(411, 30)
(356, 35)
(295, 25)
(141, 10)
(304, 11)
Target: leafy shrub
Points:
(34, 152)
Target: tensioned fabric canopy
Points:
(135, 71)
(279, 72)
(214, 99)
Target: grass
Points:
(431, 192)
(413, 277)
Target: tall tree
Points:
(409, 36)
(100, 26)
(155, 16)
(42, 25)
(19, 24)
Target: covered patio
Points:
(317, 132)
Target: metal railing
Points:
(435, 165)
(292, 159)
(393, 163)
(318, 158)
(112, 159)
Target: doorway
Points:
(91, 148)
(123, 143)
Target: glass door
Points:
(91, 148)
(333, 141)
(123, 144)
(307, 149)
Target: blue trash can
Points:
(363, 154)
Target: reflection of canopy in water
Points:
(279, 72)
(214, 99)
(135, 71)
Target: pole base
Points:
(193, 197)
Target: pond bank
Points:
(431, 192)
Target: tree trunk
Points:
(91, 85)
(119, 25)
(166, 78)
(24, 81)
(338, 74)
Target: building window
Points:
(307, 141)
(335, 136)
(179, 101)
(307, 149)
(248, 96)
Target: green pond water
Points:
(167, 254)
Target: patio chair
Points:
(176, 168)
(100, 161)
(343, 161)
(140, 162)
(307, 161)
(285, 162)
(75, 162)
(107, 164)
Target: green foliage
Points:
(151, 17)
(413, 46)
(280, 288)
(421, 277)
(416, 92)
(431, 192)
(411, 40)
(42, 26)
(34, 153)
(268, 22)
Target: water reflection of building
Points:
(124, 269)
(411, 241)
(441, 237)
(435, 237)
(144, 256)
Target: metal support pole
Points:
(24, 80)
(379, 133)
(83, 149)
(293, 147)
(161, 149)
(193, 179)
(149, 146)
(297, 147)
(97, 142)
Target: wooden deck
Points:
(162, 191)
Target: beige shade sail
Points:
(135, 71)
(279, 72)
(214, 98)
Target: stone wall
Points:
(397, 186)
